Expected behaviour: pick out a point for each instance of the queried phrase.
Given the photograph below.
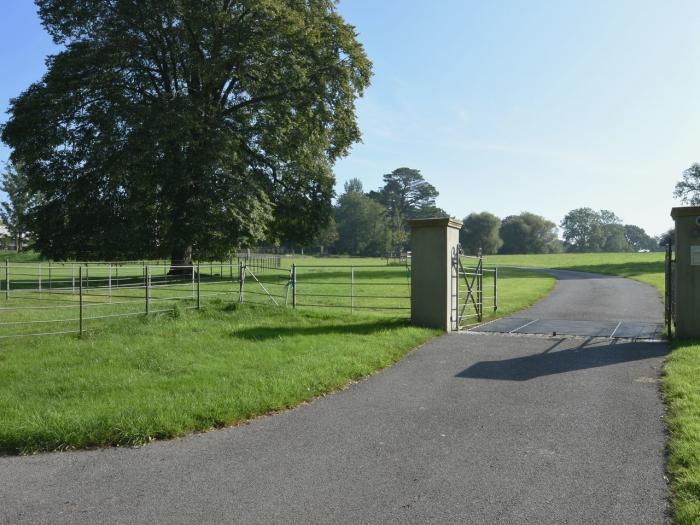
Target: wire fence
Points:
(43, 299)
(375, 288)
(73, 298)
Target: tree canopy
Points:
(407, 193)
(14, 211)
(480, 231)
(688, 188)
(362, 223)
(529, 233)
(165, 128)
(586, 230)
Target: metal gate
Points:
(670, 293)
(468, 288)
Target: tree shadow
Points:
(549, 362)
(259, 333)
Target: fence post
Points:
(495, 289)
(109, 281)
(294, 285)
(39, 279)
(241, 281)
(352, 289)
(7, 279)
(199, 297)
(80, 272)
(668, 296)
(50, 286)
(147, 276)
(87, 275)
(480, 288)
(116, 274)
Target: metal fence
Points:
(66, 298)
(670, 291)
(260, 261)
(43, 299)
(375, 288)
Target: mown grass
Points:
(130, 380)
(169, 375)
(681, 389)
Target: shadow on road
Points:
(551, 362)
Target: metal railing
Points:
(352, 288)
(670, 291)
(72, 298)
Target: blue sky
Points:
(504, 106)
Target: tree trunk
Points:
(181, 261)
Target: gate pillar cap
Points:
(685, 211)
(434, 222)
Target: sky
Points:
(503, 105)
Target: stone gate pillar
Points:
(687, 271)
(432, 244)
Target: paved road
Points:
(588, 304)
(471, 428)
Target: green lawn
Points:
(644, 267)
(133, 379)
(682, 394)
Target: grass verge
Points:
(132, 380)
(166, 376)
(682, 394)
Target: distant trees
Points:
(406, 195)
(688, 188)
(529, 233)
(376, 223)
(586, 230)
(668, 237)
(480, 230)
(14, 212)
(363, 228)
(638, 239)
(583, 230)
(327, 236)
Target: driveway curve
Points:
(589, 304)
(469, 428)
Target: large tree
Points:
(688, 188)
(529, 233)
(405, 190)
(583, 231)
(181, 127)
(406, 195)
(480, 231)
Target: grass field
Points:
(133, 379)
(644, 267)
